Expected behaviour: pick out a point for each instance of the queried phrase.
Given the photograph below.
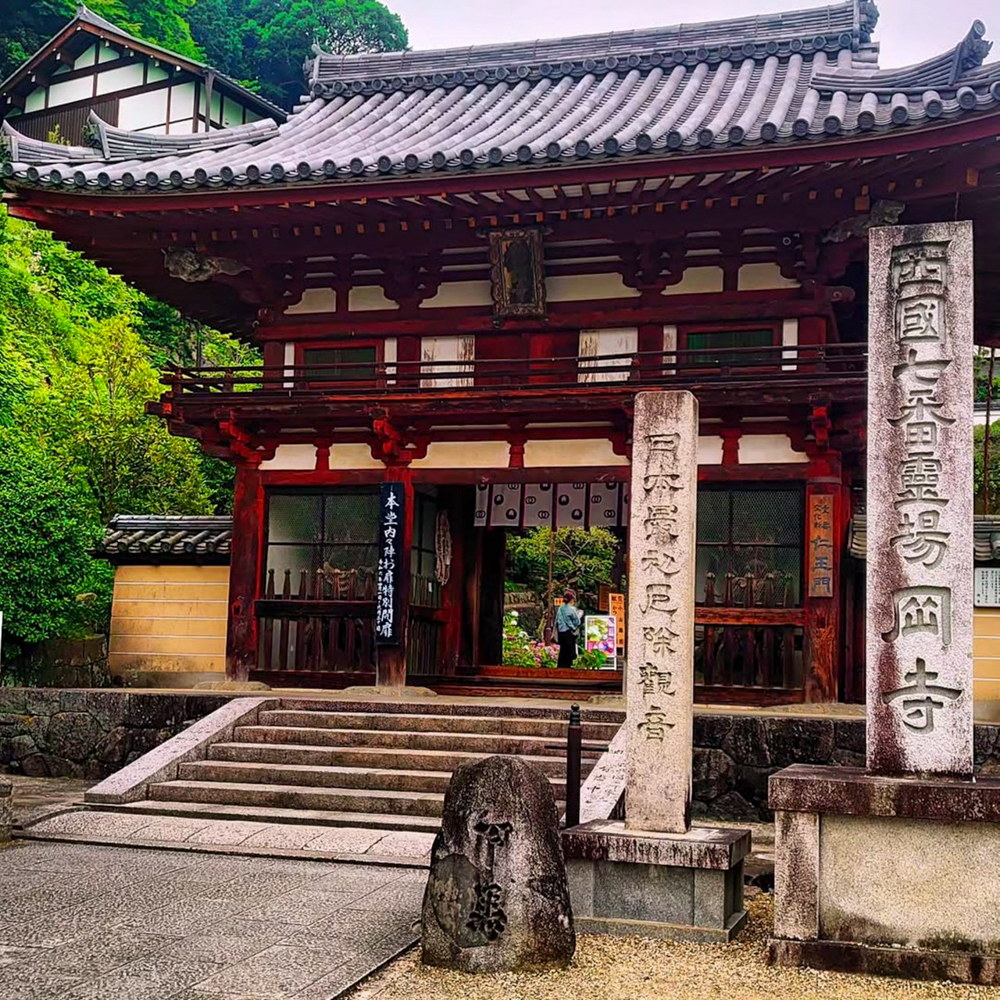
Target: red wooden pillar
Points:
(244, 570)
(390, 661)
(650, 343)
(821, 648)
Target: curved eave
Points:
(595, 166)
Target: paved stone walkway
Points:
(82, 922)
(369, 846)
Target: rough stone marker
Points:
(660, 676)
(920, 573)
(497, 898)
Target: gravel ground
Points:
(607, 968)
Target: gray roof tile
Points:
(145, 538)
(799, 76)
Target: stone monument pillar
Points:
(919, 621)
(886, 870)
(660, 677)
(653, 874)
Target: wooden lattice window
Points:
(752, 532)
(329, 530)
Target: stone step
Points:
(438, 706)
(389, 758)
(269, 814)
(322, 776)
(540, 746)
(351, 800)
(554, 729)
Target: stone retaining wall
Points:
(47, 732)
(93, 733)
(736, 754)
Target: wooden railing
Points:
(811, 364)
(326, 625)
(749, 635)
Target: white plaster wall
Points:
(154, 74)
(35, 101)
(584, 287)
(85, 59)
(698, 281)
(760, 277)
(447, 349)
(669, 345)
(107, 52)
(709, 450)
(353, 456)
(460, 293)
(598, 344)
(594, 452)
(141, 110)
(314, 300)
(464, 455)
(366, 298)
(289, 360)
(70, 90)
(768, 449)
(182, 102)
(119, 79)
(389, 356)
(291, 457)
(789, 338)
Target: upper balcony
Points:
(476, 390)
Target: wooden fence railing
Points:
(750, 635)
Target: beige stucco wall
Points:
(986, 665)
(169, 620)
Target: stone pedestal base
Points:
(668, 885)
(892, 876)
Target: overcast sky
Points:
(908, 30)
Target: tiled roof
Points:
(986, 537)
(793, 77)
(132, 538)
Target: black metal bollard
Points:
(574, 736)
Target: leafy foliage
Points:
(267, 40)
(28, 24)
(260, 42)
(582, 561)
(520, 650)
(79, 353)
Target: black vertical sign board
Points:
(392, 517)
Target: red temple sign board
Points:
(821, 545)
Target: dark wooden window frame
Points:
(340, 343)
(317, 491)
(796, 487)
(685, 330)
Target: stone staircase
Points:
(372, 765)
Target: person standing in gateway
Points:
(567, 628)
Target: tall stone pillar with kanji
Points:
(660, 672)
(920, 538)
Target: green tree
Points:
(48, 521)
(581, 561)
(28, 24)
(268, 40)
(76, 372)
